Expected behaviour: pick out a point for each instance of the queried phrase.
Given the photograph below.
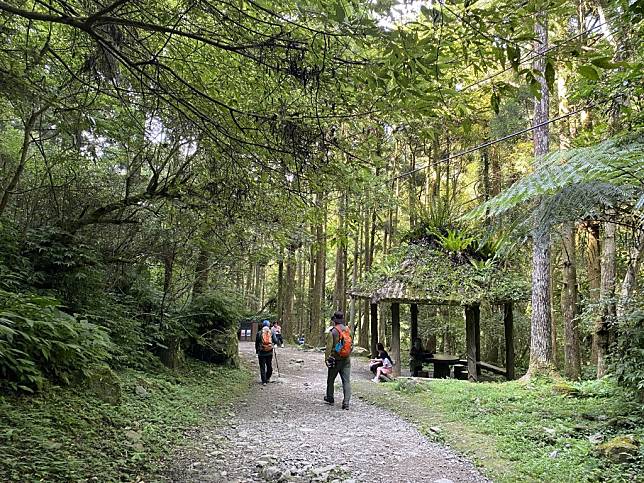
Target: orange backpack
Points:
(344, 346)
(267, 343)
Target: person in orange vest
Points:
(338, 359)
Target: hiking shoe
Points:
(345, 406)
(264, 383)
(328, 400)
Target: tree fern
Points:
(575, 182)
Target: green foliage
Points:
(67, 434)
(627, 361)
(526, 432)
(64, 264)
(14, 268)
(210, 324)
(577, 181)
(454, 241)
(39, 341)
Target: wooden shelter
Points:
(427, 276)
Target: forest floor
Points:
(284, 431)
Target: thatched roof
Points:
(423, 275)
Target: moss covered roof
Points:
(419, 273)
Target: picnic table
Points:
(442, 362)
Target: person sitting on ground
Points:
(385, 370)
(376, 362)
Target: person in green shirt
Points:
(337, 363)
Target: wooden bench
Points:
(492, 368)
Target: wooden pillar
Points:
(477, 333)
(395, 337)
(508, 323)
(414, 324)
(374, 329)
(472, 314)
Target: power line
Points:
(491, 143)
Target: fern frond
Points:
(577, 179)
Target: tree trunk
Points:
(541, 355)
(629, 283)
(412, 186)
(572, 357)
(311, 291)
(280, 286)
(339, 293)
(202, 271)
(289, 294)
(316, 300)
(301, 290)
(607, 298)
(593, 269)
(364, 332)
(354, 280)
(22, 160)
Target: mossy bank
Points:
(76, 434)
(526, 432)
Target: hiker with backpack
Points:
(264, 349)
(338, 359)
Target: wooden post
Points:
(471, 313)
(508, 323)
(414, 324)
(477, 325)
(395, 337)
(374, 329)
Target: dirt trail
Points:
(285, 432)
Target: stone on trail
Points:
(272, 473)
(443, 480)
(324, 469)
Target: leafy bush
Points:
(14, 268)
(211, 323)
(64, 264)
(38, 341)
(628, 360)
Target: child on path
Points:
(264, 349)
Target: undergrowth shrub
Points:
(210, 323)
(627, 362)
(38, 341)
(65, 265)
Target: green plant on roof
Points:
(454, 241)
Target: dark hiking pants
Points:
(265, 366)
(342, 367)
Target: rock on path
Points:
(285, 432)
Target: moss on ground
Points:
(518, 432)
(68, 434)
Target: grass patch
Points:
(519, 432)
(66, 434)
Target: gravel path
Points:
(285, 432)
